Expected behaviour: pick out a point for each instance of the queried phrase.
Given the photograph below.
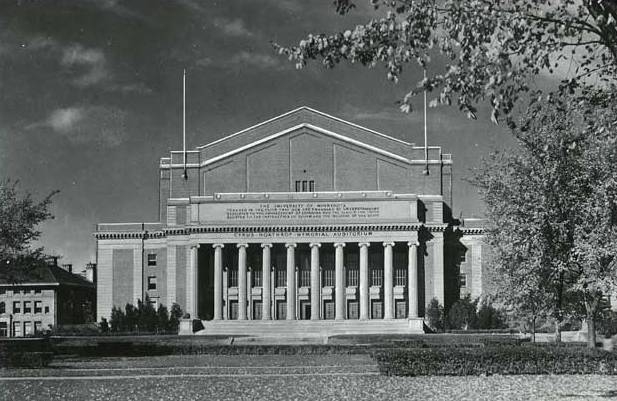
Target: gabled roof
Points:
(297, 119)
(48, 274)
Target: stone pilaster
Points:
(388, 299)
(315, 287)
(339, 277)
(266, 289)
(218, 281)
(291, 282)
(242, 281)
(412, 280)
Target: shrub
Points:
(462, 315)
(144, 318)
(104, 326)
(174, 317)
(490, 318)
(502, 359)
(435, 315)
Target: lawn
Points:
(277, 377)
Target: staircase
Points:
(306, 329)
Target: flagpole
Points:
(426, 172)
(184, 121)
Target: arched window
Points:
(2, 307)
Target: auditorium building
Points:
(304, 223)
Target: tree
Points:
(19, 217)
(462, 314)
(552, 208)
(117, 320)
(475, 50)
(435, 315)
(162, 315)
(174, 317)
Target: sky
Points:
(91, 99)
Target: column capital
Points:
(242, 245)
(291, 245)
(266, 245)
(218, 245)
(364, 244)
(339, 244)
(413, 243)
(315, 244)
(385, 244)
(195, 246)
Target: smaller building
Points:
(46, 297)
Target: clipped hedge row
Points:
(490, 360)
(25, 352)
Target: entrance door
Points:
(305, 310)
(281, 310)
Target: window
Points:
(28, 329)
(2, 307)
(400, 277)
(462, 280)
(4, 329)
(17, 307)
(257, 278)
(38, 327)
(38, 307)
(2, 291)
(47, 309)
(154, 303)
(281, 278)
(27, 291)
(305, 186)
(37, 290)
(152, 259)
(27, 306)
(376, 277)
(151, 283)
(328, 277)
(352, 277)
(232, 278)
(305, 278)
(17, 329)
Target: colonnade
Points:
(315, 283)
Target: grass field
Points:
(276, 377)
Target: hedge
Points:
(489, 360)
(25, 352)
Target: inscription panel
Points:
(312, 212)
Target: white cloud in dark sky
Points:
(232, 27)
(92, 59)
(100, 125)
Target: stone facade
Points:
(302, 217)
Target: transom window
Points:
(400, 276)
(305, 186)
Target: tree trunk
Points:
(533, 330)
(557, 331)
(591, 332)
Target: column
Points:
(315, 288)
(218, 281)
(387, 281)
(412, 280)
(266, 292)
(438, 267)
(291, 282)
(364, 281)
(339, 277)
(192, 306)
(242, 281)
(249, 293)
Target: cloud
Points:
(233, 27)
(242, 60)
(93, 60)
(98, 125)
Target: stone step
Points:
(307, 328)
